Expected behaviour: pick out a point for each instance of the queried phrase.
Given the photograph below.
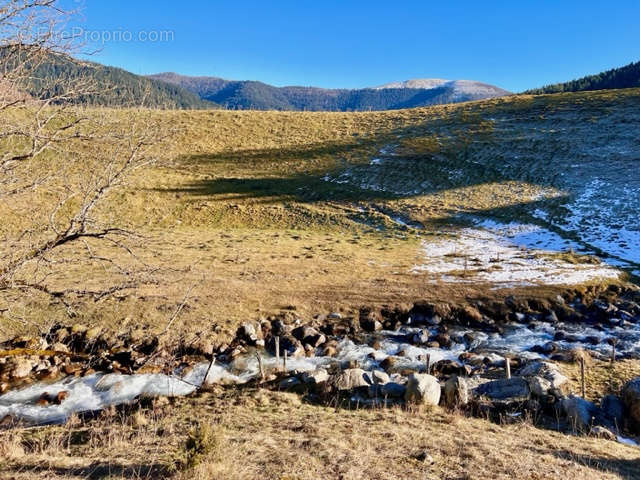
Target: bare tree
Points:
(60, 164)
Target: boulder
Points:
(423, 389)
(539, 386)
(613, 409)
(247, 332)
(393, 389)
(631, 399)
(421, 337)
(19, 367)
(579, 412)
(350, 379)
(289, 383)
(456, 392)
(450, 367)
(602, 432)
(316, 377)
(388, 363)
(513, 389)
(287, 342)
(378, 377)
(555, 383)
(370, 324)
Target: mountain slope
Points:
(261, 96)
(103, 85)
(623, 77)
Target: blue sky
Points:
(513, 44)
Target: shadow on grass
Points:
(96, 470)
(625, 469)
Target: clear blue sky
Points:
(513, 44)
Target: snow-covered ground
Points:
(605, 216)
(506, 255)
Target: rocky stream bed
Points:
(425, 354)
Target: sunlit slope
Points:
(569, 160)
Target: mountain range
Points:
(247, 94)
(116, 87)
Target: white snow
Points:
(90, 393)
(506, 255)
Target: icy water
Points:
(98, 391)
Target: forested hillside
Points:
(623, 77)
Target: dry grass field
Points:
(244, 214)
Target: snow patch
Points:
(507, 255)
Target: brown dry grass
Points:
(271, 435)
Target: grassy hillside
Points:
(325, 211)
(623, 77)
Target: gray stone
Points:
(579, 412)
(613, 409)
(602, 432)
(513, 389)
(247, 332)
(421, 337)
(351, 378)
(456, 392)
(315, 377)
(423, 389)
(378, 377)
(393, 389)
(548, 371)
(539, 386)
(289, 383)
(631, 399)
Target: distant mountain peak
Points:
(417, 83)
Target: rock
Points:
(631, 399)
(470, 316)
(309, 335)
(378, 377)
(613, 409)
(421, 337)
(19, 367)
(456, 392)
(334, 316)
(450, 367)
(424, 457)
(579, 412)
(423, 389)
(278, 327)
(330, 351)
(388, 363)
(60, 397)
(247, 333)
(393, 389)
(513, 389)
(289, 383)
(59, 347)
(444, 340)
(287, 342)
(315, 377)
(539, 386)
(350, 379)
(602, 432)
(557, 382)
